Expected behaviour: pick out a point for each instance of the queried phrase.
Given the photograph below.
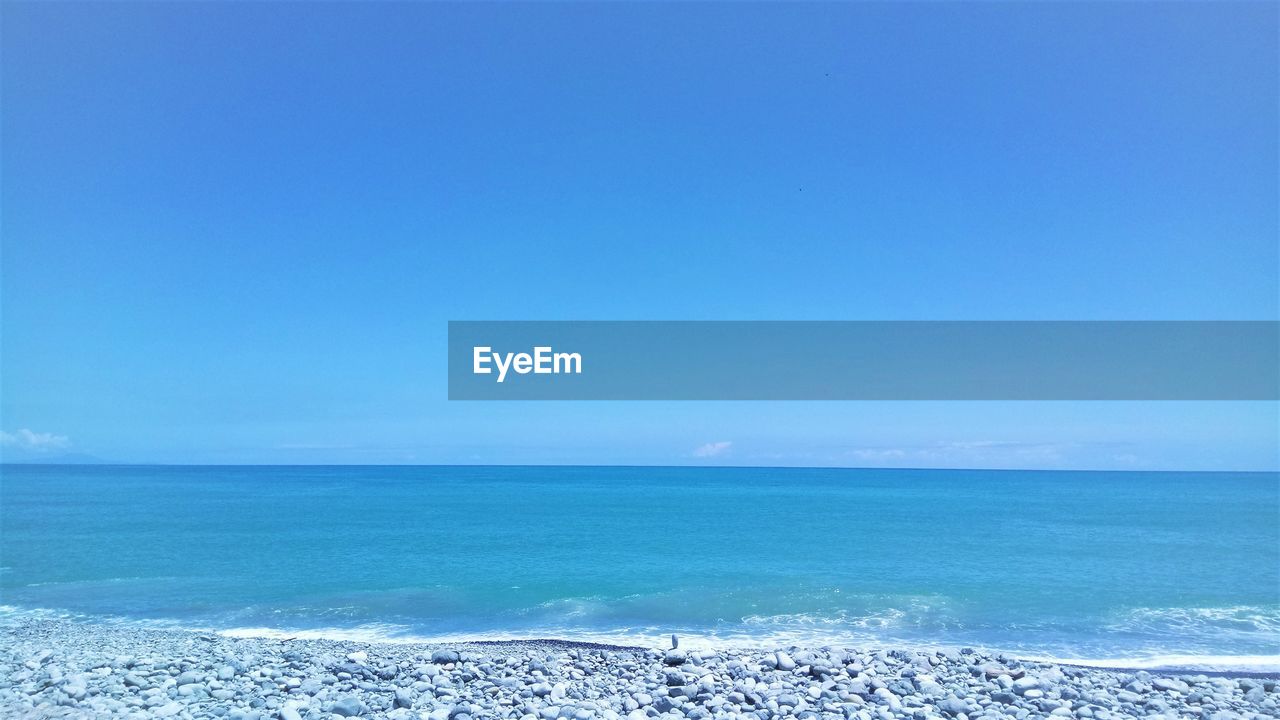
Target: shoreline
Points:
(1257, 666)
(64, 668)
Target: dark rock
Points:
(953, 706)
(403, 698)
(347, 707)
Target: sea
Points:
(1133, 569)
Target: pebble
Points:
(167, 710)
(403, 699)
(53, 668)
(347, 707)
(1170, 684)
(783, 661)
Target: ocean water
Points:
(1129, 568)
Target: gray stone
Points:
(445, 657)
(403, 698)
(1170, 684)
(953, 706)
(348, 707)
(1022, 685)
(783, 661)
(993, 670)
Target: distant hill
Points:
(14, 456)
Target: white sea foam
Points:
(655, 637)
(14, 612)
(1219, 663)
(872, 631)
(1261, 621)
(836, 623)
(372, 633)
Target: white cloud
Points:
(968, 453)
(712, 449)
(25, 439)
(878, 454)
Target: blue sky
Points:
(235, 232)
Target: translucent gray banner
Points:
(864, 360)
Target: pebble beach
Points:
(56, 668)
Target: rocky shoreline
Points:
(66, 669)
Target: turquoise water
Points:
(1058, 564)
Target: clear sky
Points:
(235, 232)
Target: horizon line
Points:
(617, 465)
